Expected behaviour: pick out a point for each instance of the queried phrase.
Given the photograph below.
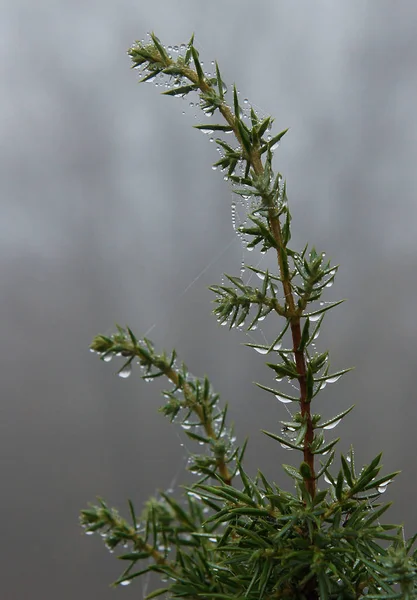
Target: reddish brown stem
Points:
(254, 158)
(299, 356)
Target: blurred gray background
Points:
(110, 210)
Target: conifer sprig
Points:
(189, 398)
(237, 536)
(258, 182)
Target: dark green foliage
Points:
(231, 536)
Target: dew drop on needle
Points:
(282, 399)
(333, 379)
(126, 371)
(332, 425)
(261, 350)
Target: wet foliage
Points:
(230, 534)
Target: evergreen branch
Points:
(198, 398)
(259, 541)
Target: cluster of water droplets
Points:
(171, 82)
(290, 432)
(177, 49)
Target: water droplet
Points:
(260, 350)
(332, 425)
(328, 285)
(288, 428)
(282, 399)
(261, 276)
(211, 140)
(126, 371)
(314, 318)
(286, 447)
(89, 532)
(107, 358)
(186, 425)
(326, 478)
(191, 104)
(126, 582)
(176, 48)
(275, 146)
(194, 495)
(245, 101)
(333, 379)
(214, 168)
(383, 487)
(277, 346)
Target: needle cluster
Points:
(232, 535)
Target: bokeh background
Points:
(110, 210)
